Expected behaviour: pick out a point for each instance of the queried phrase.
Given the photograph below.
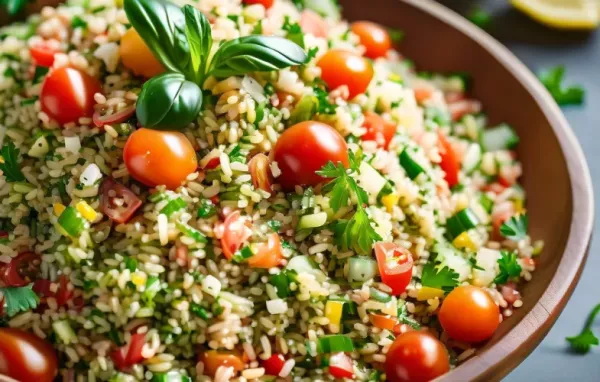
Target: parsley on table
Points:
(515, 228)
(583, 342)
(441, 278)
(19, 299)
(10, 164)
(552, 80)
(480, 17)
(509, 267)
(293, 32)
(236, 155)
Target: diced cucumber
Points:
(462, 221)
(312, 221)
(63, 330)
(501, 137)
(39, 148)
(412, 168)
(472, 158)
(371, 180)
(303, 264)
(448, 256)
(361, 269)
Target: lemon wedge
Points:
(563, 14)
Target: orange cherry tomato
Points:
(373, 37)
(213, 359)
(137, 57)
(416, 356)
(469, 314)
(378, 130)
(155, 157)
(312, 23)
(340, 67)
(43, 53)
(267, 255)
(383, 322)
(304, 149)
(450, 163)
(26, 357)
(68, 94)
(236, 231)
(265, 3)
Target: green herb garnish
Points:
(509, 267)
(515, 228)
(583, 342)
(552, 80)
(13, 7)
(19, 299)
(293, 32)
(236, 155)
(440, 278)
(10, 163)
(396, 35)
(480, 17)
(207, 209)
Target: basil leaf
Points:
(161, 25)
(255, 54)
(168, 101)
(197, 30)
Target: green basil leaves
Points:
(197, 30)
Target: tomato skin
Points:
(213, 359)
(383, 322)
(340, 67)
(20, 271)
(416, 356)
(450, 163)
(399, 277)
(42, 54)
(313, 23)
(68, 94)
(265, 3)
(341, 366)
(304, 149)
(378, 130)
(373, 37)
(119, 214)
(155, 157)
(260, 172)
(131, 354)
(274, 364)
(236, 230)
(267, 255)
(469, 314)
(26, 357)
(137, 57)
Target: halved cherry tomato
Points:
(213, 359)
(383, 322)
(213, 163)
(26, 357)
(155, 157)
(416, 356)
(260, 172)
(449, 163)
(43, 53)
(378, 130)
(423, 92)
(128, 202)
(21, 270)
(469, 314)
(463, 107)
(312, 23)
(236, 230)
(266, 255)
(373, 37)
(131, 354)
(304, 149)
(265, 3)
(118, 117)
(68, 94)
(341, 366)
(137, 57)
(395, 266)
(340, 67)
(273, 364)
(63, 295)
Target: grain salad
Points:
(256, 190)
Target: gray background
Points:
(539, 47)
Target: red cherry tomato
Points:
(155, 157)
(110, 191)
(267, 255)
(42, 54)
(373, 37)
(304, 149)
(449, 163)
(312, 23)
(416, 356)
(265, 3)
(21, 270)
(64, 293)
(26, 357)
(469, 314)
(236, 230)
(340, 67)
(68, 94)
(395, 266)
(341, 366)
(212, 360)
(378, 130)
(274, 364)
(260, 172)
(131, 354)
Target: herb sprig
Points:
(515, 228)
(10, 163)
(583, 342)
(509, 267)
(440, 278)
(553, 81)
(19, 299)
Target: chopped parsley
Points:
(19, 299)
(293, 32)
(396, 35)
(173, 206)
(40, 72)
(404, 318)
(515, 228)
(78, 22)
(325, 107)
(480, 17)
(509, 267)
(583, 342)
(275, 225)
(552, 79)
(312, 53)
(206, 210)
(440, 278)
(236, 155)
(131, 264)
(10, 163)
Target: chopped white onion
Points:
(90, 175)
(254, 89)
(211, 285)
(109, 54)
(277, 306)
(73, 144)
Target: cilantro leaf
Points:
(480, 17)
(444, 278)
(294, 32)
(552, 79)
(236, 155)
(19, 299)
(509, 267)
(583, 342)
(10, 166)
(515, 228)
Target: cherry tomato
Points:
(378, 130)
(304, 149)
(449, 163)
(26, 357)
(340, 67)
(68, 94)
(469, 314)
(274, 364)
(383, 322)
(213, 359)
(43, 53)
(312, 23)
(463, 107)
(236, 230)
(373, 37)
(128, 202)
(21, 270)
(341, 366)
(265, 3)
(155, 157)
(137, 57)
(267, 255)
(416, 356)
(397, 273)
(499, 216)
(131, 354)
(260, 172)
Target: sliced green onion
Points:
(173, 206)
(462, 221)
(501, 137)
(206, 210)
(191, 232)
(281, 282)
(243, 254)
(71, 221)
(64, 331)
(361, 269)
(378, 295)
(412, 168)
(334, 344)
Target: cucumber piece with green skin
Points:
(472, 158)
(312, 221)
(361, 269)
(39, 148)
(412, 168)
(371, 180)
(303, 264)
(501, 137)
(63, 330)
(462, 221)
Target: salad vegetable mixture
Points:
(256, 190)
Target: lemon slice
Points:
(564, 14)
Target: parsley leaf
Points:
(583, 342)
(258, 28)
(236, 155)
(515, 228)
(325, 107)
(10, 166)
(19, 299)
(312, 53)
(294, 32)
(404, 318)
(480, 17)
(444, 278)
(78, 22)
(552, 80)
(356, 233)
(341, 186)
(509, 267)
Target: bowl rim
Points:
(503, 356)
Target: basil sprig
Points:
(180, 38)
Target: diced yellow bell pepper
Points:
(426, 293)
(86, 211)
(333, 311)
(389, 201)
(395, 77)
(464, 241)
(58, 208)
(139, 278)
(519, 207)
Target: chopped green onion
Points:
(281, 282)
(243, 254)
(71, 221)
(412, 168)
(378, 295)
(361, 269)
(199, 311)
(191, 232)
(462, 221)
(207, 209)
(334, 344)
(173, 206)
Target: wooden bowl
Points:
(556, 177)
